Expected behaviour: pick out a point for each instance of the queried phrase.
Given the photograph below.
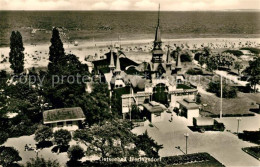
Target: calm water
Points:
(106, 25)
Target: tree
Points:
(207, 52)
(211, 63)
(41, 162)
(8, 155)
(65, 93)
(253, 71)
(198, 98)
(111, 139)
(62, 138)
(24, 99)
(185, 57)
(16, 55)
(148, 145)
(238, 66)
(43, 133)
(228, 91)
(56, 50)
(96, 105)
(225, 59)
(75, 153)
(135, 112)
(197, 56)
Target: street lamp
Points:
(238, 120)
(186, 135)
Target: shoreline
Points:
(38, 55)
(90, 43)
(141, 37)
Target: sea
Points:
(36, 26)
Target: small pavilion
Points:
(64, 118)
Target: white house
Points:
(189, 109)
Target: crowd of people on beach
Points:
(40, 57)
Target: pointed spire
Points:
(168, 58)
(178, 62)
(157, 40)
(112, 63)
(118, 68)
(159, 15)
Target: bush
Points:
(237, 53)
(185, 58)
(8, 155)
(193, 71)
(181, 159)
(62, 138)
(41, 162)
(3, 137)
(43, 133)
(75, 153)
(197, 56)
(121, 164)
(253, 50)
(253, 151)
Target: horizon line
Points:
(221, 10)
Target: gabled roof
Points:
(63, 114)
(124, 62)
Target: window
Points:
(69, 123)
(60, 124)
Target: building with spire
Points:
(157, 66)
(148, 82)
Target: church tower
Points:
(112, 63)
(157, 44)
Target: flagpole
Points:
(221, 96)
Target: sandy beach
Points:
(137, 50)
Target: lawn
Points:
(235, 106)
(197, 159)
(239, 105)
(211, 163)
(253, 151)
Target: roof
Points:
(154, 107)
(204, 121)
(63, 114)
(189, 104)
(104, 63)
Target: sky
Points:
(166, 5)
